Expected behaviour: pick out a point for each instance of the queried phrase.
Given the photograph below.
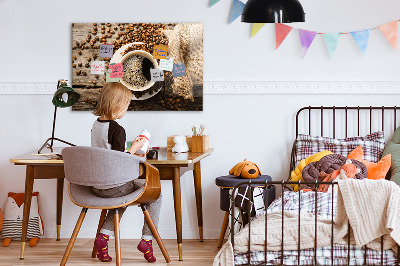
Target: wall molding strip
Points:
(244, 87)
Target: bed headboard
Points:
(344, 121)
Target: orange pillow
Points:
(375, 170)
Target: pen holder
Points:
(200, 143)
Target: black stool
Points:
(226, 183)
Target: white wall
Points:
(35, 47)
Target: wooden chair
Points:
(85, 167)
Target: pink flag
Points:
(306, 39)
(389, 30)
(281, 31)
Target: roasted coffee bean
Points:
(79, 64)
(73, 65)
(87, 65)
(102, 27)
(103, 31)
(96, 76)
(108, 24)
(89, 59)
(84, 73)
(78, 72)
(79, 52)
(74, 57)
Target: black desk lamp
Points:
(64, 97)
(273, 11)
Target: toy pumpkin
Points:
(245, 169)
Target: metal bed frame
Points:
(283, 184)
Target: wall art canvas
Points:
(161, 63)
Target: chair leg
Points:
(223, 229)
(154, 230)
(73, 237)
(117, 239)
(101, 222)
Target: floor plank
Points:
(50, 252)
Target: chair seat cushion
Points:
(83, 195)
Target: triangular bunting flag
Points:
(281, 31)
(390, 32)
(255, 28)
(306, 39)
(237, 9)
(213, 2)
(361, 38)
(332, 41)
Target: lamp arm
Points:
(54, 126)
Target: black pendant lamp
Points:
(273, 11)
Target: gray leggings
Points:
(154, 208)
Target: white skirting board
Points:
(244, 87)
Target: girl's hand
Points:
(142, 155)
(137, 144)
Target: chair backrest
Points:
(92, 166)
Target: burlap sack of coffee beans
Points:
(186, 46)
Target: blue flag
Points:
(237, 9)
(361, 38)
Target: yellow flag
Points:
(255, 28)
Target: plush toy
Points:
(296, 174)
(245, 169)
(180, 144)
(13, 215)
(375, 170)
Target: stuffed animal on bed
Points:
(296, 174)
(13, 215)
(245, 169)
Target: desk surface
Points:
(164, 157)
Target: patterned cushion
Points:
(372, 144)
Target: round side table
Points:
(228, 182)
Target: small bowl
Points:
(145, 55)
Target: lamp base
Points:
(50, 146)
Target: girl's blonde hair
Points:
(113, 97)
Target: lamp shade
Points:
(273, 11)
(65, 96)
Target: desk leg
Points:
(27, 206)
(176, 182)
(199, 204)
(60, 190)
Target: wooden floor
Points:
(50, 252)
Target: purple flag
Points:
(306, 39)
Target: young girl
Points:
(107, 133)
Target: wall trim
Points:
(245, 87)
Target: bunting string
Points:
(361, 37)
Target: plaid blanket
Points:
(323, 205)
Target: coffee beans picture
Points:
(170, 94)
